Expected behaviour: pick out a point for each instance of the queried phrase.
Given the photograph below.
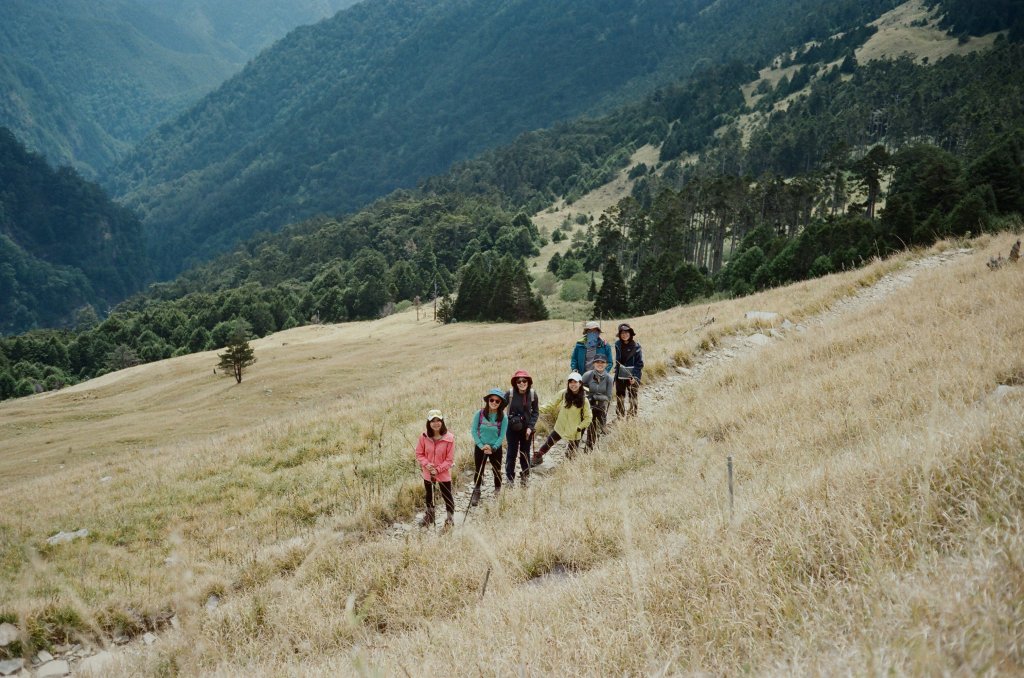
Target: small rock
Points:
(761, 315)
(683, 370)
(212, 602)
(98, 665)
(43, 657)
(64, 537)
(758, 340)
(787, 324)
(121, 640)
(57, 667)
(1004, 390)
(106, 479)
(9, 666)
(8, 634)
(175, 624)
(149, 639)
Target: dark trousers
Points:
(597, 426)
(479, 459)
(622, 386)
(571, 448)
(446, 494)
(518, 449)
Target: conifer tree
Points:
(238, 355)
(612, 300)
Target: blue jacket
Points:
(486, 431)
(635, 361)
(579, 356)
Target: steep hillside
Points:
(392, 91)
(876, 495)
(86, 79)
(63, 243)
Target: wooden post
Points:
(729, 466)
(487, 578)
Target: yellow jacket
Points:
(570, 420)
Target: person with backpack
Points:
(435, 451)
(582, 358)
(489, 428)
(629, 366)
(572, 419)
(523, 410)
(600, 387)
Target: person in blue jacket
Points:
(591, 344)
(489, 428)
(629, 367)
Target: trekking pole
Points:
(476, 484)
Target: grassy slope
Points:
(878, 517)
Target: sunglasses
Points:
(522, 381)
(494, 400)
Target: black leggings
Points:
(446, 494)
(571, 448)
(479, 459)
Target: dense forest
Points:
(63, 243)
(389, 92)
(84, 80)
(866, 159)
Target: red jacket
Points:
(440, 453)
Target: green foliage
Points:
(238, 354)
(325, 121)
(85, 79)
(63, 244)
(612, 299)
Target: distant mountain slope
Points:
(391, 91)
(86, 79)
(63, 243)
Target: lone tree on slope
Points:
(238, 354)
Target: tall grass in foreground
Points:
(877, 527)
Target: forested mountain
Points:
(83, 80)
(63, 243)
(862, 159)
(391, 91)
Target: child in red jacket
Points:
(435, 451)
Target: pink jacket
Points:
(441, 454)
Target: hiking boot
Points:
(536, 459)
(449, 522)
(474, 498)
(428, 517)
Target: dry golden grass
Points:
(877, 527)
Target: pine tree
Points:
(237, 356)
(612, 300)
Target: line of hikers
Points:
(511, 417)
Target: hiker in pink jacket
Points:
(435, 451)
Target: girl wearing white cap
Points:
(435, 451)
(573, 418)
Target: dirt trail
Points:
(653, 396)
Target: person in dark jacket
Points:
(600, 386)
(629, 367)
(523, 410)
(583, 352)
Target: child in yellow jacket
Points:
(574, 416)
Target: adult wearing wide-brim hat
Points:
(583, 352)
(435, 451)
(629, 368)
(489, 428)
